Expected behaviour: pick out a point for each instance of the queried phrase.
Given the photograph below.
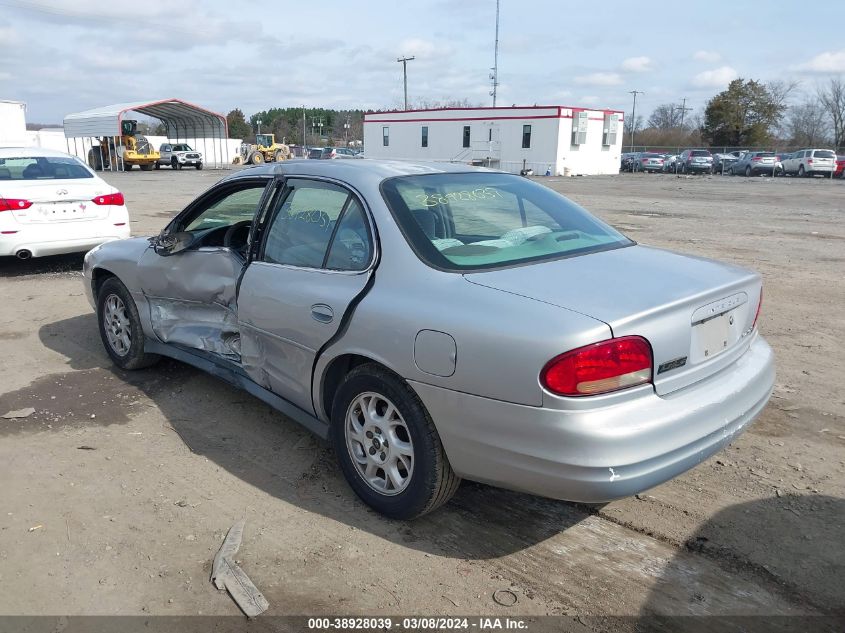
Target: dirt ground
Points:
(119, 489)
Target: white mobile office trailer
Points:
(545, 139)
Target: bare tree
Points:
(832, 99)
(665, 117)
(805, 124)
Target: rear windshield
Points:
(699, 152)
(823, 153)
(42, 168)
(652, 155)
(470, 221)
(765, 154)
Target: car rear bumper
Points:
(64, 237)
(602, 453)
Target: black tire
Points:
(158, 165)
(432, 480)
(199, 166)
(748, 171)
(134, 357)
(801, 172)
(174, 164)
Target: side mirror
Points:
(171, 243)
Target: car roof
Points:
(13, 152)
(361, 169)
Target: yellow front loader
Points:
(118, 153)
(265, 150)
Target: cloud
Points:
(418, 47)
(637, 64)
(716, 78)
(827, 62)
(711, 57)
(599, 79)
(8, 37)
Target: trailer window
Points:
(425, 136)
(526, 137)
(466, 136)
(385, 136)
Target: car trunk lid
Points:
(697, 314)
(58, 200)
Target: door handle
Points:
(322, 313)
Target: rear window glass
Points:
(42, 168)
(699, 152)
(652, 155)
(765, 154)
(470, 221)
(823, 153)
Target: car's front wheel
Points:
(387, 445)
(120, 327)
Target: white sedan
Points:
(52, 203)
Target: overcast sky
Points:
(65, 56)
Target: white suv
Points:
(808, 162)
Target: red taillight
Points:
(757, 314)
(611, 365)
(13, 204)
(755, 159)
(809, 161)
(111, 199)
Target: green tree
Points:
(238, 127)
(743, 115)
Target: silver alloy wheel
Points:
(379, 443)
(116, 325)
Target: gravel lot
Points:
(118, 490)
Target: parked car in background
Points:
(413, 314)
(52, 203)
(649, 162)
(810, 162)
(345, 152)
(755, 164)
(669, 163)
(695, 161)
(722, 162)
(322, 153)
(840, 166)
(179, 155)
(628, 159)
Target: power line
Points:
(494, 77)
(405, 61)
(684, 109)
(634, 115)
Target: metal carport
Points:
(185, 122)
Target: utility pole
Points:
(634, 115)
(303, 132)
(405, 61)
(684, 109)
(494, 77)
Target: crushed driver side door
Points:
(192, 294)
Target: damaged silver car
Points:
(437, 322)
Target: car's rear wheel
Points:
(387, 445)
(801, 172)
(120, 326)
(748, 172)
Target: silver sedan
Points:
(437, 322)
